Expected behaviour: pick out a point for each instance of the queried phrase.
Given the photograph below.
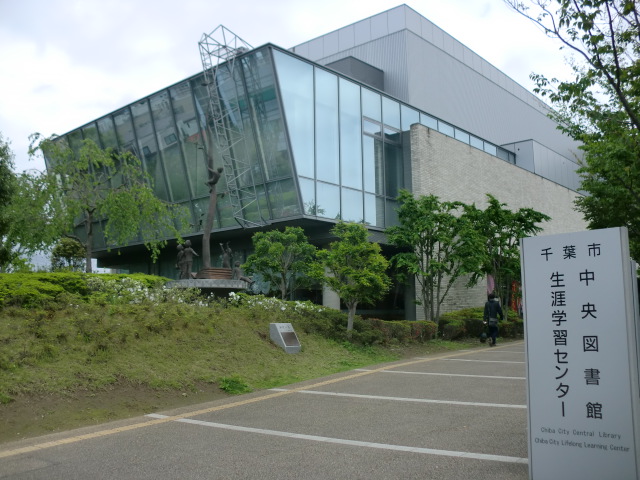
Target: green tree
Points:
(440, 245)
(7, 190)
(600, 105)
(283, 258)
(501, 230)
(96, 185)
(354, 268)
(68, 254)
(33, 214)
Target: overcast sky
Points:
(64, 63)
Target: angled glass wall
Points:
(318, 145)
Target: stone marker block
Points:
(283, 334)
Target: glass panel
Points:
(200, 210)
(328, 200)
(148, 147)
(284, 198)
(91, 132)
(476, 142)
(372, 127)
(75, 140)
(307, 188)
(392, 135)
(462, 136)
(372, 161)
(352, 205)
(107, 132)
(390, 113)
(445, 128)
(167, 138)
(491, 149)
(269, 124)
(371, 105)
(409, 117)
(394, 174)
(327, 146)
(391, 213)
(188, 129)
(350, 135)
(503, 154)
(373, 210)
(124, 129)
(428, 121)
(225, 212)
(296, 86)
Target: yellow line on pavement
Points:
(248, 401)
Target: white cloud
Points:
(67, 62)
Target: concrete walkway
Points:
(458, 415)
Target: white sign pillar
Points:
(583, 398)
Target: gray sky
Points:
(64, 63)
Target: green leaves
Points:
(284, 258)
(356, 270)
(93, 185)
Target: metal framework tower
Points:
(219, 53)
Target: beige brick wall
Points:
(454, 171)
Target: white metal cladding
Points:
(427, 68)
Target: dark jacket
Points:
(492, 309)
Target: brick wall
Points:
(454, 171)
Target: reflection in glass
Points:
(107, 132)
(269, 125)
(295, 78)
(409, 117)
(394, 172)
(373, 210)
(283, 198)
(91, 132)
(148, 148)
(390, 113)
(327, 146)
(167, 138)
(372, 165)
(489, 148)
(187, 129)
(328, 200)
(352, 206)
(428, 121)
(307, 189)
(350, 135)
(371, 105)
(476, 142)
(461, 135)
(445, 128)
(124, 130)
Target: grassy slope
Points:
(84, 365)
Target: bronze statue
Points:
(226, 256)
(186, 260)
(237, 274)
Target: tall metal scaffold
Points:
(219, 53)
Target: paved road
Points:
(460, 415)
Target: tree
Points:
(68, 254)
(355, 268)
(440, 245)
(284, 258)
(96, 185)
(600, 106)
(7, 190)
(501, 230)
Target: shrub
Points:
(453, 329)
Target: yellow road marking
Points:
(158, 421)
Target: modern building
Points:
(333, 129)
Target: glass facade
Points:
(318, 145)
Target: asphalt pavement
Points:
(449, 416)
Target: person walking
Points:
(492, 311)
